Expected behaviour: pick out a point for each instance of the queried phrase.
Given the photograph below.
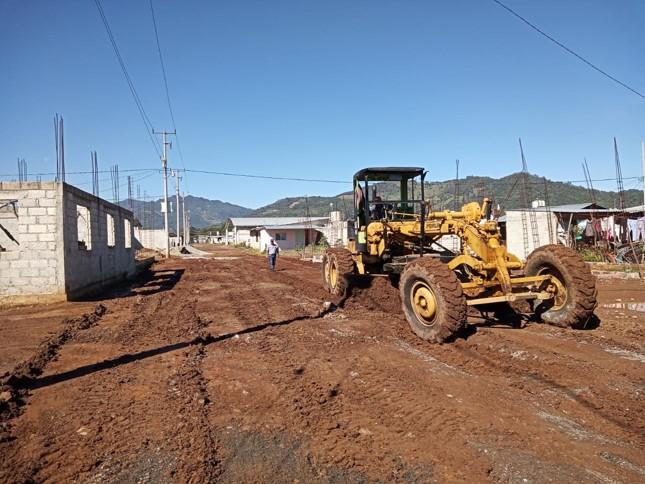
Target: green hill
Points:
(508, 192)
(203, 212)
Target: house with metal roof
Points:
(288, 232)
(526, 229)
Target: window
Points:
(280, 236)
(83, 227)
(111, 236)
(127, 229)
(9, 225)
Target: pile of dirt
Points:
(374, 294)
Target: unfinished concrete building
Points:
(58, 242)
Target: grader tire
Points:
(337, 266)
(574, 306)
(324, 270)
(433, 301)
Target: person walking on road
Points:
(272, 251)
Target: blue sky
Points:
(322, 89)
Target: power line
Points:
(567, 49)
(313, 180)
(246, 175)
(133, 91)
(165, 83)
(266, 177)
(8, 175)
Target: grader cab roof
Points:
(390, 173)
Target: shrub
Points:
(591, 255)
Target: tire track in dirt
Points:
(524, 358)
(307, 378)
(600, 417)
(549, 370)
(354, 395)
(448, 355)
(15, 384)
(75, 434)
(253, 306)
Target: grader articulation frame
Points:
(404, 238)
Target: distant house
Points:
(288, 232)
(550, 225)
(338, 231)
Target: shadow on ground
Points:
(207, 339)
(147, 283)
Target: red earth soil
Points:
(215, 369)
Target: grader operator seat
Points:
(386, 192)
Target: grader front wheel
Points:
(432, 299)
(337, 266)
(572, 284)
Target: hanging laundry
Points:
(618, 230)
(640, 225)
(632, 225)
(607, 225)
(597, 226)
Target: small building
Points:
(155, 239)
(288, 232)
(527, 229)
(338, 231)
(211, 238)
(58, 242)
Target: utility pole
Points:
(175, 173)
(183, 208)
(187, 225)
(456, 202)
(164, 165)
(643, 151)
(619, 179)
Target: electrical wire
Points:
(7, 175)
(567, 49)
(165, 83)
(312, 180)
(267, 177)
(133, 91)
(125, 177)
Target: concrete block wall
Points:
(153, 238)
(31, 264)
(88, 268)
(515, 232)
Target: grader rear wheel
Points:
(573, 285)
(337, 266)
(433, 300)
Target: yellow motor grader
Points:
(446, 260)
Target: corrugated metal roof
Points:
(569, 208)
(636, 208)
(273, 221)
(291, 227)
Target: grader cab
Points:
(445, 261)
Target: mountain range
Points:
(508, 192)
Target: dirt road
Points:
(218, 370)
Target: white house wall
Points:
(514, 231)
